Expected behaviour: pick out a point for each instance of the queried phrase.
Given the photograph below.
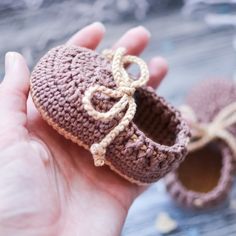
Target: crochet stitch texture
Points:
(153, 143)
(216, 158)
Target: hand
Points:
(48, 185)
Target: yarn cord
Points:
(204, 133)
(124, 91)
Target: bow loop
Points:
(124, 91)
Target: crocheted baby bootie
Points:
(90, 99)
(204, 178)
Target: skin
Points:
(48, 185)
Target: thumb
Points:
(16, 73)
(14, 91)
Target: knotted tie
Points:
(204, 133)
(125, 88)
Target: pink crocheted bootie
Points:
(90, 99)
(204, 178)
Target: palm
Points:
(48, 185)
(70, 178)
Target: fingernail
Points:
(99, 25)
(158, 67)
(9, 60)
(152, 68)
(140, 27)
(159, 62)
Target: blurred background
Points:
(197, 37)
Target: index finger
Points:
(88, 37)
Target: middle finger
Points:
(134, 40)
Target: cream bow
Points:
(126, 87)
(203, 133)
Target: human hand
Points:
(49, 185)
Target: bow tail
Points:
(226, 112)
(98, 150)
(229, 139)
(223, 135)
(229, 120)
(199, 143)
